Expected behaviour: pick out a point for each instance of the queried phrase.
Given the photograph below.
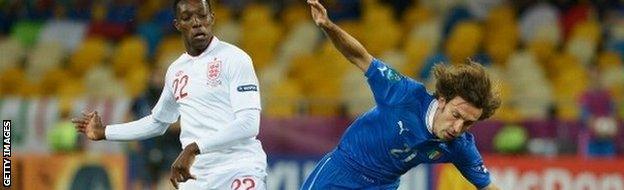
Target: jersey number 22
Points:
(180, 82)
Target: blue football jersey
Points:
(392, 137)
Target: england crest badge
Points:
(213, 73)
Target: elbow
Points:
(255, 131)
(252, 123)
(162, 131)
(254, 128)
(161, 127)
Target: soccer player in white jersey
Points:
(214, 90)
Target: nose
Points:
(196, 22)
(457, 128)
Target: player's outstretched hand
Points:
(319, 13)
(91, 125)
(180, 169)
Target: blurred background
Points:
(559, 64)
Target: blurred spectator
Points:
(7, 17)
(576, 14)
(38, 10)
(481, 8)
(399, 7)
(121, 11)
(536, 19)
(150, 159)
(79, 10)
(340, 10)
(237, 6)
(114, 20)
(598, 115)
(564, 138)
(455, 16)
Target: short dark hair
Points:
(176, 2)
(469, 81)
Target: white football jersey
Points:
(206, 91)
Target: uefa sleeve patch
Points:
(247, 88)
(393, 75)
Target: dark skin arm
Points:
(352, 49)
(91, 125)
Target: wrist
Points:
(192, 149)
(327, 25)
(103, 133)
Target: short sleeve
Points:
(243, 87)
(166, 109)
(470, 164)
(391, 88)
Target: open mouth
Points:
(450, 135)
(200, 35)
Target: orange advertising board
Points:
(68, 171)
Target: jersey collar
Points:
(211, 46)
(433, 106)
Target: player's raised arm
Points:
(91, 125)
(353, 50)
(164, 113)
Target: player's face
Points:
(454, 117)
(195, 21)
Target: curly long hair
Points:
(469, 81)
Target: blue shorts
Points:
(330, 174)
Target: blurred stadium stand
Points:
(560, 65)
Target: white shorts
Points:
(228, 180)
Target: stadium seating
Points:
(52, 80)
(263, 41)
(502, 34)
(92, 51)
(568, 71)
(464, 41)
(68, 34)
(282, 100)
(12, 81)
(356, 93)
(545, 57)
(44, 56)
(11, 54)
(530, 87)
(26, 32)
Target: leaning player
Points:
(214, 90)
(408, 126)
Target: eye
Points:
(468, 123)
(203, 15)
(456, 115)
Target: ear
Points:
(441, 102)
(212, 18)
(176, 24)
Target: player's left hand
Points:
(180, 170)
(319, 13)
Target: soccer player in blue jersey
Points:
(408, 126)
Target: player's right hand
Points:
(180, 169)
(319, 13)
(91, 125)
